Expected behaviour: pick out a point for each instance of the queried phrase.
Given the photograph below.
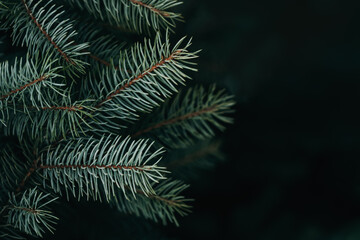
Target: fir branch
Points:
(189, 116)
(42, 78)
(62, 53)
(30, 214)
(51, 122)
(64, 108)
(139, 77)
(31, 81)
(49, 32)
(164, 205)
(177, 119)
(83, 166)
(155, 10)
(88, 166)
(154, 71)
(141, 16)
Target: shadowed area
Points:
(292, 167)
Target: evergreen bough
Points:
(87, 114)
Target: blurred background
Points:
(292, 168)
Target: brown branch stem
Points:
(92, 166)
(140, 76)
(31, 210)
(23, 87)
(63, 54)
(155, 10)
(175, 203)
(175, 120)
(65, 108)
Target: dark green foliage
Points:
(133, 14)
(86, 166)
(41, 28)
(29, 214)
(70, 111)
(191, 115)
(164, 205)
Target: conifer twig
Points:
(155, 10)
(140, 76)
(65, 108)
(63, 54)
(140, 168)
(174, 120)
(24, 86)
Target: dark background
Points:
(293, 165)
